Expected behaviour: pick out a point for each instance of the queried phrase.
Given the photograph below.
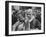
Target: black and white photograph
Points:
(25, 18)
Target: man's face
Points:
(28, 16)
(28, 13)
(21, 17)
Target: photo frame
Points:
(11, 17)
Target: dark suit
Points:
(35, 24)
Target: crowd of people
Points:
(25, 20)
